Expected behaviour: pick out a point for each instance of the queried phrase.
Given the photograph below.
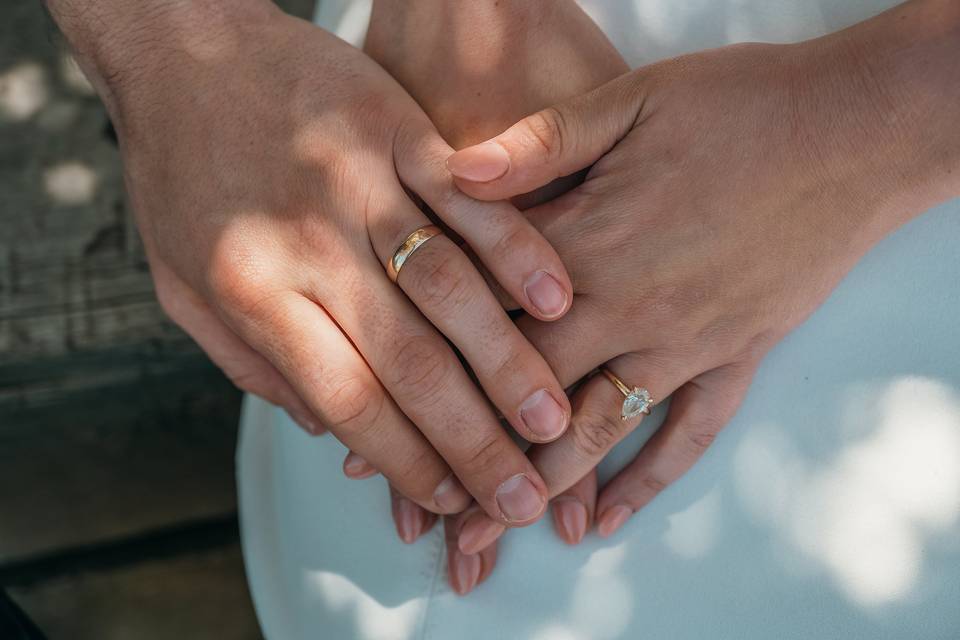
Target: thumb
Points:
(549, 144)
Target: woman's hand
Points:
(266, 161)
(528, 55)
(731, 192)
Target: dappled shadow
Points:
(829, 503)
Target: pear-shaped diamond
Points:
(637, 402)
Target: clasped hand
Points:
(275, 170)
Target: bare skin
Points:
(530, 55)
(775, 168)
(267, 163)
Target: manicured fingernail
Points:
(546, 294)
(543, 415)
(356, 467)
(466, 572)
(478, 533)
(450, 495)
(307, 423)
(409, 519)
(519, 500)
(612, 519)
(480, 163)
(570, 518)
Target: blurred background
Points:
(117, 500)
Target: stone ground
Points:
(117, 501)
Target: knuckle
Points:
(698, 440)
(439, 282)
(352, 404)
(517, 240)
(548, 129)
(483, 457)
(444, 197)
(652, 485)
(238, 281)
(421, 369)
(511, 365)
(595, 433)
(413, 473)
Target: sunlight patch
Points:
(693, 531)
(373, 620)
(70, 183)
(864, 514)
(23, 91)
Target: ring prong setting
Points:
(636, 403)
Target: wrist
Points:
(896, 99)
(476, 19)
(121, 44)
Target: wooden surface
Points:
(115, 429)
(189, 597)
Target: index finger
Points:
(517, 255)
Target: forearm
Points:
(906, 65)
(479, 18)
(118, 41)
(480, 33)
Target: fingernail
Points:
(546, 294)
(543, 415)
(480, 163)
(355, 466)
(519, 500)
(478, 533)
(466, 572)
(409, 520)
(450, 495)
(307, 423)
(612, 519)
(570, 518)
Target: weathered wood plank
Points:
(91, 452)
(193, 597)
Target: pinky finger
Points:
(573, 509)
(466, 570)
(698, 410)
(411, 520)
(356, 467)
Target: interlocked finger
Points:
(698, 411)
(603, 416)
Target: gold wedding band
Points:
(636, 401)
(413, 242)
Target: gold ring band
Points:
(413, 242)
(636, 401)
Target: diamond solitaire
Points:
(637, 402)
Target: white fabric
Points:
(828, 508)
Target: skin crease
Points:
(268, 224)
(774, 167)
(555, 52)
(801, 157)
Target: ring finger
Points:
(423, 375)
(698, 410)
(445, 286)
(599, 421)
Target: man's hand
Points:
(266, 161)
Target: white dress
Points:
(828, 508)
